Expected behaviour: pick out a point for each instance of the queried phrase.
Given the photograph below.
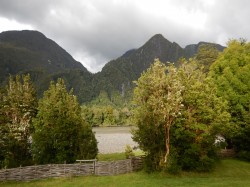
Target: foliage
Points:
(206, 56)
(197, 115)
(231, 73)
(31, 52)
(158, 99)
(129, 151)
(97, 115)
(60, 132)
(23, 52)
(202, 117)
(4, 139)
(19, 106)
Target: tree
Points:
(158, 101)
(202, 117)
(231, 73)
(19, 107)
(3, 132)
(60, 132)
(181, 106)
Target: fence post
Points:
(36, 172)
(5, 173)
(20, 171)
(49, 170)
(64, 168)
(131, 167)
(79, 173)
(94, 167)
(113, 166)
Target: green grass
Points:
(111, 156)
(228, 173)
(116, 156)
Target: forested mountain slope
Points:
(23, 52)
(118, 74)
(31, 52)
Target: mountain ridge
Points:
(129, 67)
(32, 52)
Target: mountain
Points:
(47, 55)
(32, 52)
(23, 52)
(118, 74)
(191, 50)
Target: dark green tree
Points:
(61, 134)
(3, 131)
(231, 73)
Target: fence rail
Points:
(226, 153)
(67, 170)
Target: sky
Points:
(97, 31)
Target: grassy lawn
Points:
(228, 173)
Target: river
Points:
(113, 139)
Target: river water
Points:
(113, 139)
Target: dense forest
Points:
(179, 104)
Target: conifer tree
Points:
(61, 134)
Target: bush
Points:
(206, 164)
(129, 152)
(244, 155)
(173, 166)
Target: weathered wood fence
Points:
(68, 170)
(226, 153)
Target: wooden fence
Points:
(68, 170)
(226, 153)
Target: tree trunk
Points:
(167, 143)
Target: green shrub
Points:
(244, 155)
(129, 152)
(173, 166)
(206, 164)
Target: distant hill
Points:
(191, 50)
(32, 52)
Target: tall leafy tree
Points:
(19, 107)
(3, 131)
(158, 101)
(203, 116)
(231, 73)
(191, 118)
(61, 134)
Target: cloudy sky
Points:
(96, 31)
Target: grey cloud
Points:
(230, 18)
(96, 31)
